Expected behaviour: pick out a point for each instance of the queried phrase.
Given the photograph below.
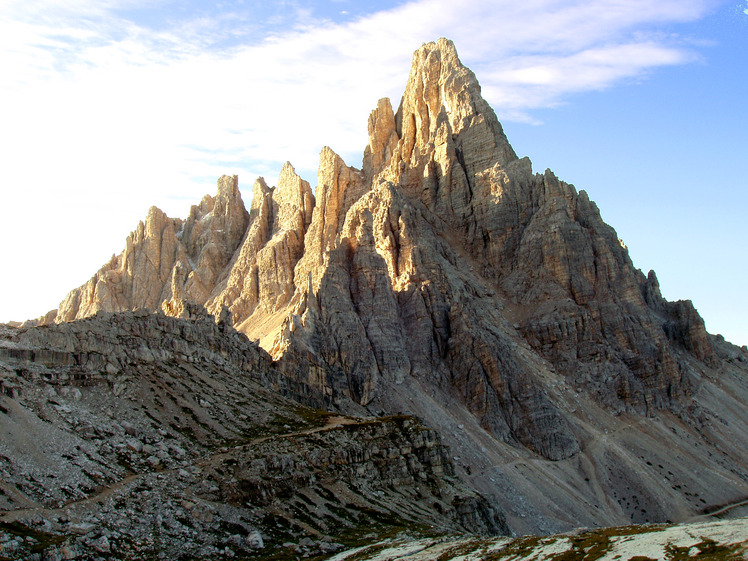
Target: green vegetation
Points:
(309, 418)
(586, 546)
(707, 550)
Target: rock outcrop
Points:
(167, 259)
(260, 279)
(446, 279)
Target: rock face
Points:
(445, 279)
(391, 466)
(536, 240)
(167, 259)
(260, 278)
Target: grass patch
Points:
(707, 550)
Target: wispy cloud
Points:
(102, 110)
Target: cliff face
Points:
(167, 259)
(447, 280)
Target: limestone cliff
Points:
(167, 259)
(260, 279)
(445, 279)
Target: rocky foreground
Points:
(139, 435)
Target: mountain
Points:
(445, 280)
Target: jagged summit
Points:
(445, 279)
(441, 111)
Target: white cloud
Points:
(103, 117)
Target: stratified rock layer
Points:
(447, 280)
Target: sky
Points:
(110, 106)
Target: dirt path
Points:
(722, 510)
(332, 422)
(14, 515)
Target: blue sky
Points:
(108, 107)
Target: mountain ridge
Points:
(444, 279)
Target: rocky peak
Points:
(259, 281)
(443, 112)
(338, 188)
(442, 209)
(219, 221)
(680, 321)
(166, 259)
(229, 213)
(228, 190)
(210, 236)
(441, 89)
(294, 200)
(383, 139)
(260, 190)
